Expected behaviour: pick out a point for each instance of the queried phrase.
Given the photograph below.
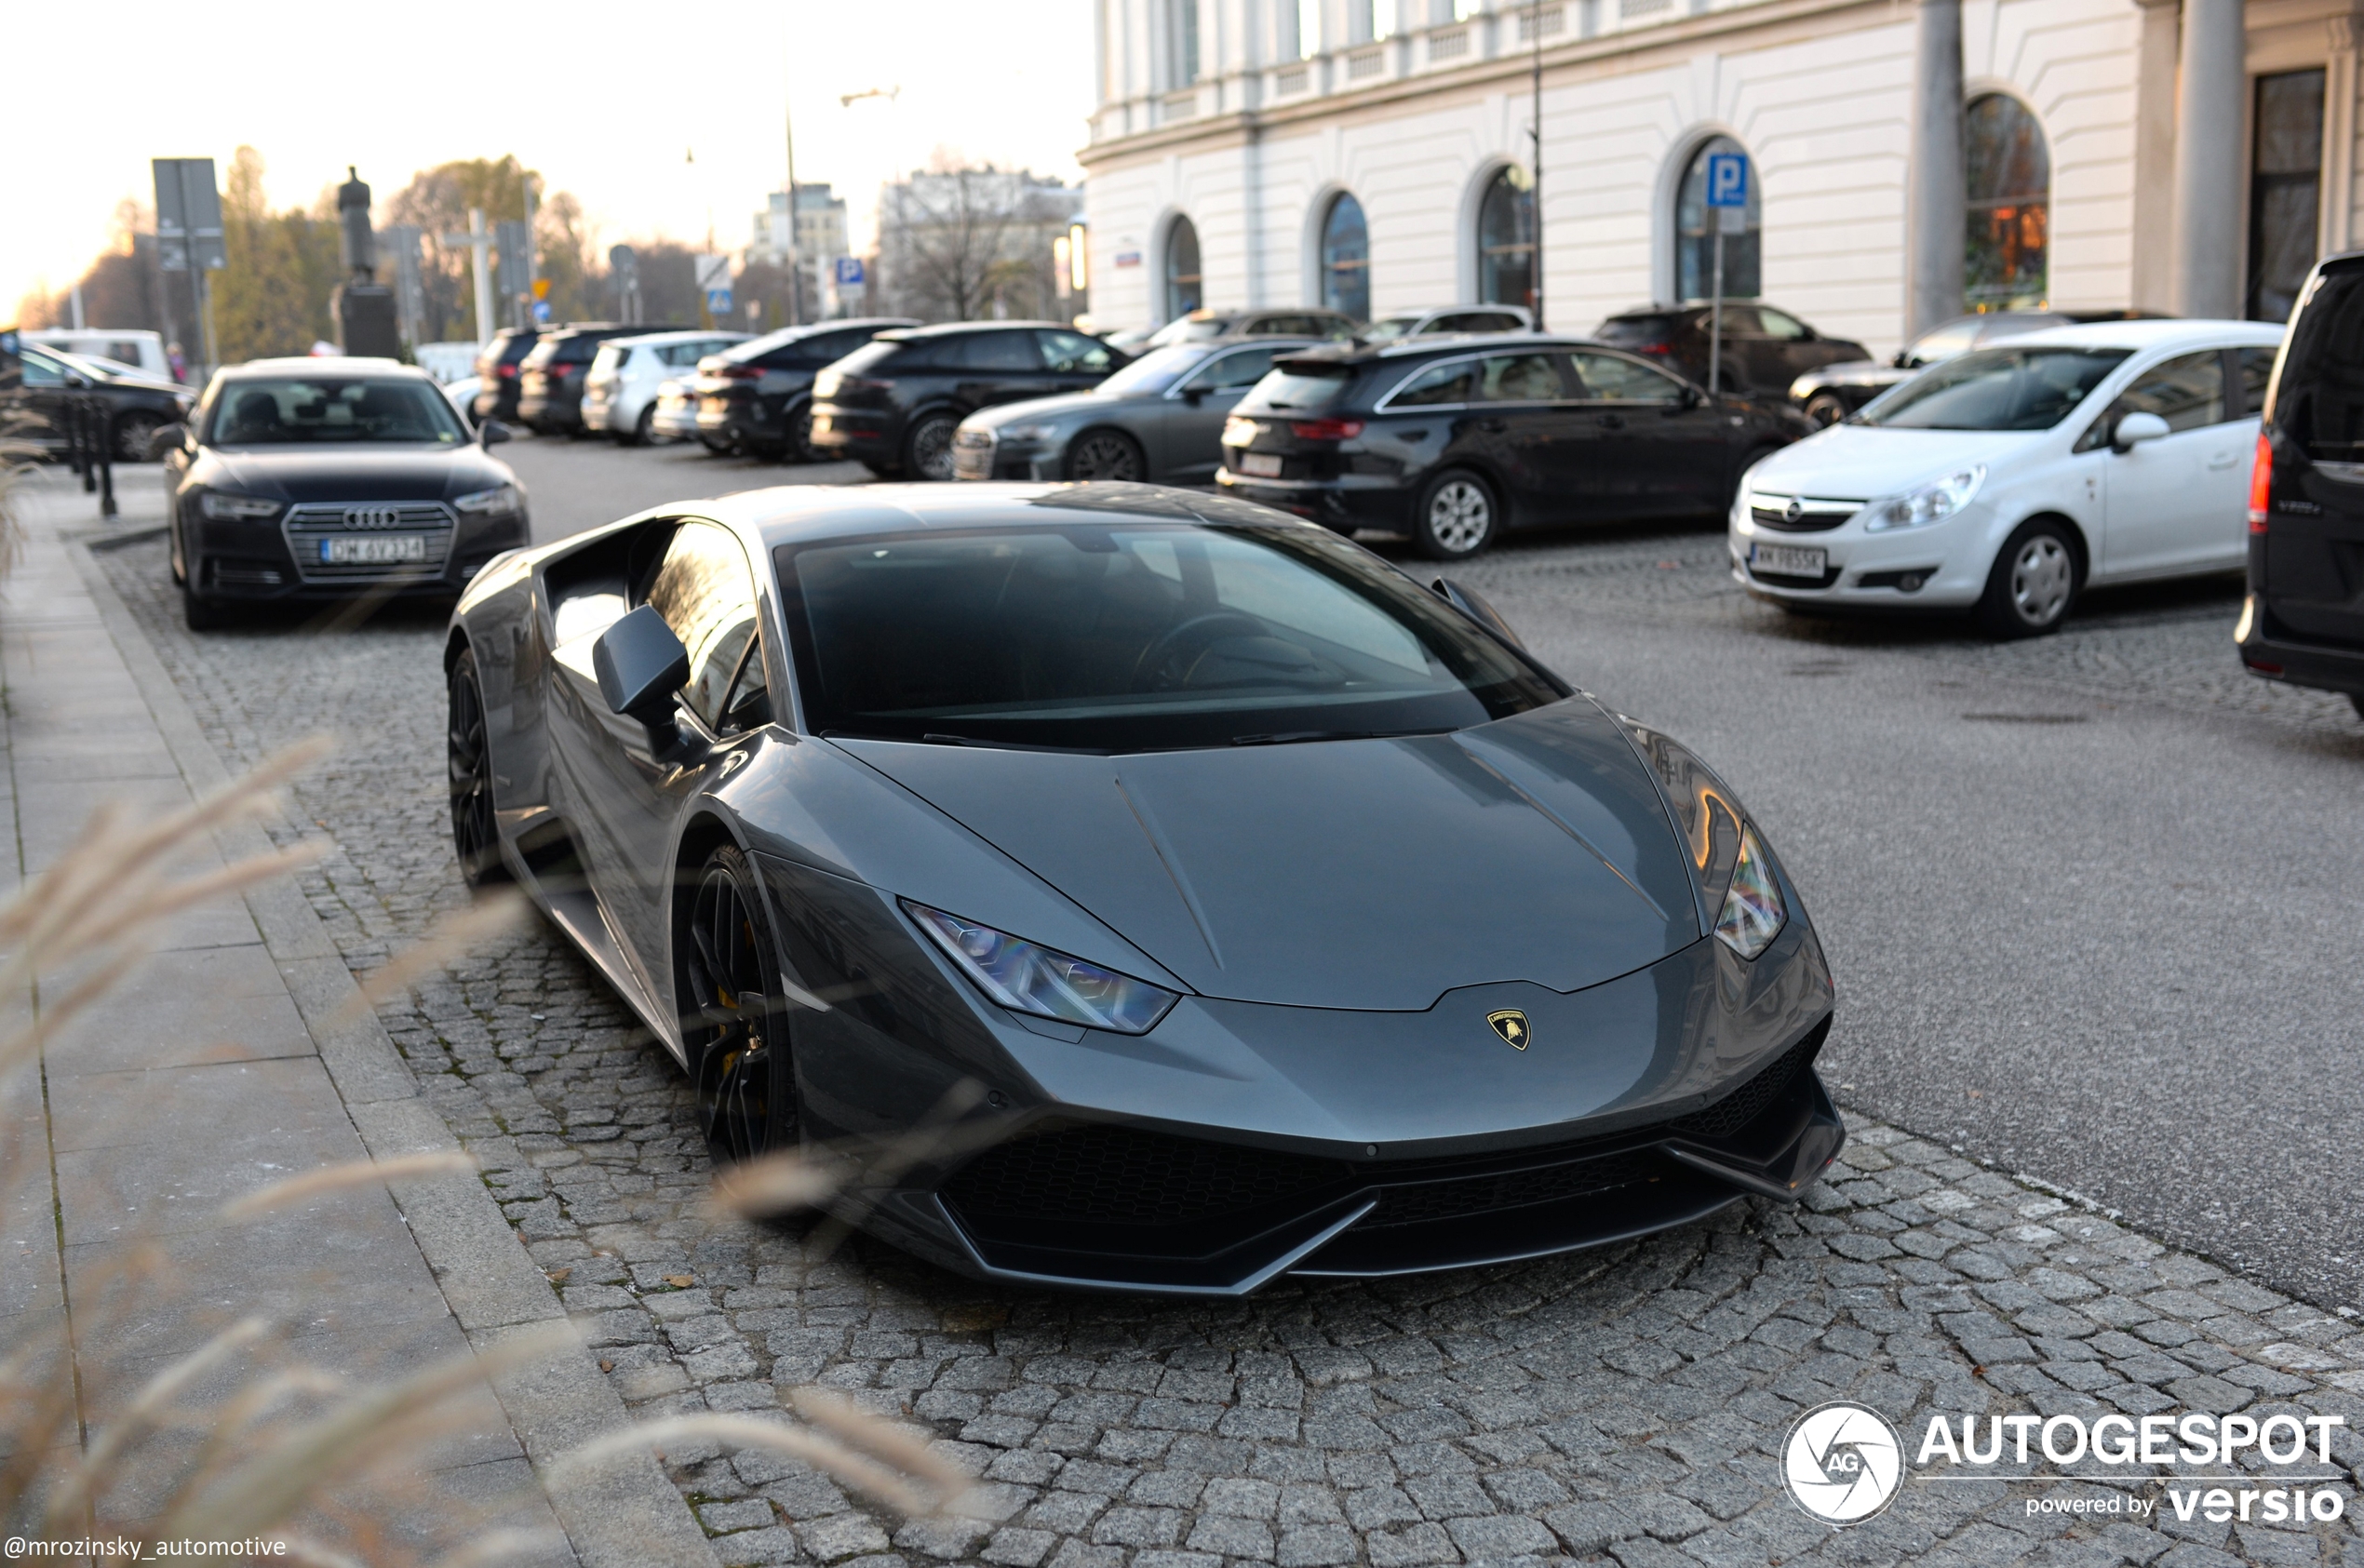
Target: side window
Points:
(1241, 367)
(1453, 381)
(1520, 378)
(42, 371)
(1778, 325)
(1740, 321)
(1612, 378)
(1073, 353)
(2187, 392)
(707, 594)
(996, 351)
(2257, 374)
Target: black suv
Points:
(2303, 619)
(1763, 349)
(1455, 439)
(497, 365)
(757, 396)
(894, 403)
(550, 376)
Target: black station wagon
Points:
(1455, 439)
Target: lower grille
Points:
(1119, 1176)
(309, 524)
(1509, 1189)
(230, 573)
(1745, 1104)
(1813, 514)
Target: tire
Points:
(927, 449)
(883, 470)
(732, 1017)
(1826, 409)
(1457, 517)
(1108, 455)
(2034, 583)
(132, 432)
(203, 612)
(714, 449)
(644, 429)
(476, 833)
(800, 437)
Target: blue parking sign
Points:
(1727, 180)
(849, 271)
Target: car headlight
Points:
(1753, 913)
(1028, 977)
(1933, 503)
(223, 506)
(1028, 432)
(500, 499)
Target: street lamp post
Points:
(1535, 132)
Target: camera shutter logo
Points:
(1843, 1462)
(371, 517)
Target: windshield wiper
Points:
(1291, 737)
(938, 738)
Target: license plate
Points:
(1260, 465)
(1788, 560)
(373, 549)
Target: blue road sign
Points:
(850, 273)
(541, 310)
(1727, 180)
(717, 301)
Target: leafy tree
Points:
(274, 297)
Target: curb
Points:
(625, 1514)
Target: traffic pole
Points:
(1716, 315)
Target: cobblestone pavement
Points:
(1623, 1404)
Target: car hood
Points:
(1034, 410)
(1372, 874)
(1859, 462)
(355, 472)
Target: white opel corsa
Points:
(2007, 480)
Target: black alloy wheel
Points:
(1455, 518)
(927, 451)
(1825, 409)
(800, 435)
(2034, 583)
(475, 833)
(732, 1021)
(1105, 454)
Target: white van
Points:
(135, 346)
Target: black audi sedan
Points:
(1455, 441)
(324, 479)
(757, 396)
(1161, 417)
(893, 403)
(1763, 349)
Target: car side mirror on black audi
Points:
(491, 432)
(1692, 396)
(1194, 395)
(642, 667)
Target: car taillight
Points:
(508, 373)
(739, 373)
(1325, 429)
(2261, 483)
(1654, 348)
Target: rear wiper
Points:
(1291, 737)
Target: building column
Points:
(1936, 198)
(2209, 227)
(2339, 136)
(2154, 195)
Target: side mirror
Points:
(642, 666)
(2136, 428)
(164, 438)
(1692, 396)
(491, 432)
(1194, 395)
(1903, 360)
(1469, 603)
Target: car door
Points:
(1071, 362)
(1188, 444)
(2177, 503)
(1523, 418)
(629, 797)
(1663, 449)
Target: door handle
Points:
(2222, 459)
(1612, 422)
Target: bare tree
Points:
(958, 240)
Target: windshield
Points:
(1157, 370)
(1126, 638)
(297, 410)
(1995, 389)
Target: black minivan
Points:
(1456, 439)
(893, 403)
(2303, 619)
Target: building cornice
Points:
(1515, 65)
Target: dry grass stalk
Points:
(341, 1178)
(494, 913)
(18, 461)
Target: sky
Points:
(605, 99)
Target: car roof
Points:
(1441, 343)
(321, 364)
(679, 334)
(802, 514)
(947, 328)
(2139, 336)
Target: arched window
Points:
(2009, 182)
(1184, 292)
(1506, 240)
(1695, 233)
(1346, 259)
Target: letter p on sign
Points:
(1727, 180)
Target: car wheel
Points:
(174, 556)
(202, 612)
(1106, 454)
(2033, 583)
(644, 429)
(132, 432)
(800, 437)
(732, 1021)
(1457, 517)
(475, 834)
(713, 447)
(927, 451)
(1825, 409)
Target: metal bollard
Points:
(104, 415)
(89, 467)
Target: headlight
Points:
(1031, 978)
(1752, 914)
(224, 507)
(1932, 502)
(485, 503)
(1028, 432)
